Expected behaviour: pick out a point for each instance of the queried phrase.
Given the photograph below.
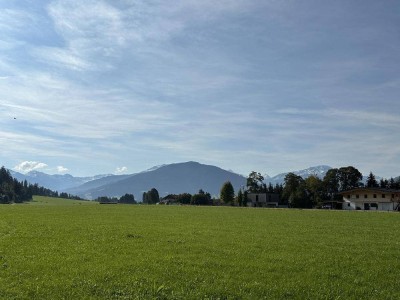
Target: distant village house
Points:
(262, 200)
(371, 199)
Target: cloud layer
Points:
(263, 85)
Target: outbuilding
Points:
(262, 200)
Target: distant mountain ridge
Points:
(320, 171)
(173, 178)
(187, 177)
(54, 182)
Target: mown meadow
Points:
(65, 249)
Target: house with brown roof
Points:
(371, 199)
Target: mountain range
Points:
(318, 171)
(54, 182)
(176, 178)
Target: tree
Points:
(349, 178)
(245, 199)
(295, 191)
(152, 196)
(144, 197)
(254, 182)
(184, 198)
(338, 180)
(240, 197)
(270, 188)
(371, 180)
(383, 183)
(315, 189)
(393, 183)
(331, 183)
(201, 198)
(11, 190)
(227, 194)
(127, 198)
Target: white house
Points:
(371, 199)
(262, 200)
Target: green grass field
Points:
(63, 249)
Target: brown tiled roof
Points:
(370, 189)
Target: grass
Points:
(80, 250)
(38, 200)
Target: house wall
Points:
(349, 206)
(262, 200)
(252, 197)
(386, 206)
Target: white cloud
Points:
(121, 170)
(61, 169)
(28, 166)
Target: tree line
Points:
(13, 191)
(152, 197)
(125, 199)
(295, 192)
(199, 198)
(310, 192)
(314, 192)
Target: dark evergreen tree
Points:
(371, 181)
(11, 190)
(240, 198)
(227, 194)
(384, 183)
(270, 188)
(245, 199)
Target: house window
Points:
(374, 195)
(256, 198)
(348, 204)
(383, 195)
(357, 196)
(365, 196)
(348, 196)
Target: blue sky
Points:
(119, 86)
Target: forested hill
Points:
(13, 191)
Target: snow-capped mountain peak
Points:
(318, 171)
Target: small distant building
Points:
(168, 201)
(262, 200)
(371, 199)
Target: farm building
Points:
(371, 199)
(262, 200)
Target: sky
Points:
(118, 86)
